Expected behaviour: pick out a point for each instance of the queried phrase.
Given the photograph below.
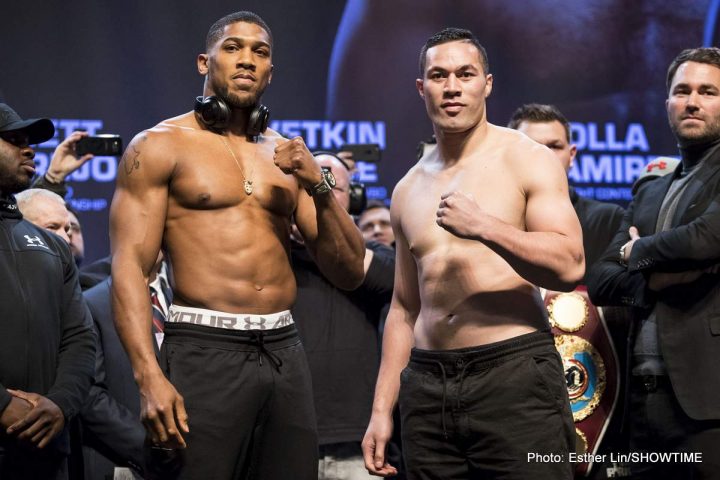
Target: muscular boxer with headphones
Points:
(217, 191)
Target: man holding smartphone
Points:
(64, 162)
(47, 346)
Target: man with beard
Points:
(663, 262)
(218, 194)
(47, 345)
(478, 222)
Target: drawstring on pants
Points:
(456, 363)
(258, 339)
(444, 397)
(461, 379)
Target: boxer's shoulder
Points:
(166, 133)
(158, 149)
(273, 136)
(521, 154)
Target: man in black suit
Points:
(112, 434)
(109, 431)
(663, 262)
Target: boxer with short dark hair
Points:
(234, 387)
(217, 29)
(453, 35)
(479, 222)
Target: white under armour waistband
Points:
(231, 321)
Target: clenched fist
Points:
(460, 214)
(294, 158)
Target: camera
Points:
(363, 152)
(105, 145)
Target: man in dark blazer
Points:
(112, 433)
(663, 262)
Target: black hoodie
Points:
(47, 344)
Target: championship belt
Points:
(592, 368)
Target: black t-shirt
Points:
(339, 331)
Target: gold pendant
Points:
(248, 187)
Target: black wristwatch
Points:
(325, 185)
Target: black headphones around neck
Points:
(358, 195)
(214, 113)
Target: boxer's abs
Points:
(473, 300)
(231, 266)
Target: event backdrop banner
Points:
(344, 72)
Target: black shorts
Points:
(499, 411)
(249, 400)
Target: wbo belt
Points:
(230, 321)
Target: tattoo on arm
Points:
(131, 161)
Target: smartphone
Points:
(363, 152)
(106, 145)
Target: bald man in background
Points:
(46, 210)
(340, 332)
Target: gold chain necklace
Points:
(247, 182)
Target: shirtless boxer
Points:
(477, 226)
(594, 59)
(219, 201)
